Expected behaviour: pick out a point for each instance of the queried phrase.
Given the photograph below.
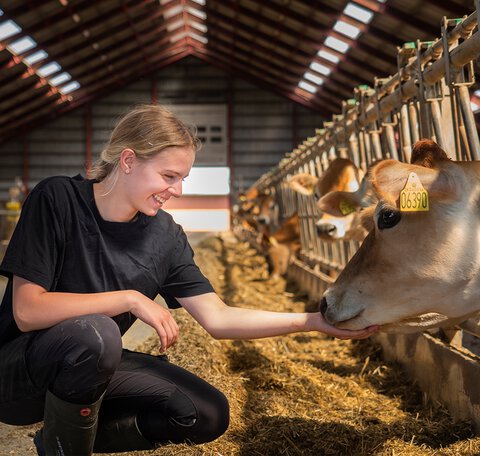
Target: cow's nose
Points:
(326, 229)
(263, 220)
(323, 305)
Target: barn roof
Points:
(56, 55)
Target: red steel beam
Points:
(37, 117)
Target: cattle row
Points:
(389, 220)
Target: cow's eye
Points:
(388, 219)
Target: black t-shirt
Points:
(62, 243)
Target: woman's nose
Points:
(176, 190)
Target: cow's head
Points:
(258, 207)
(341, 175)
(266, 209)
(415, 268)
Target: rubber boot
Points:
(68, 429)
(120, 434)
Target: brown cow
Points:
(341, 221)
(419, 266)
(282, 245)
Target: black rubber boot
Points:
(68, 429)
(119, 435)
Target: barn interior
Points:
(261, 82)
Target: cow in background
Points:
(419, 266)
(278, 238)
(338, 220)
(281, 245)
(258, 212)
(252, 208)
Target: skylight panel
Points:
(319, 68)
(337, 44)
(35, 57)
(177, 37)
(200, 2)
(313, 78)
(197, 13)
(202, 27)
(1, 12)
(48, 69)
(175, 25)
(173, 11)
(60, 79)
(8, 28)
(198, 37)
(328, 56)
(346, 29)
(477, 93)
(308, 87)
(358, 13)
(22, 45)
(74, 85)
(475, 107)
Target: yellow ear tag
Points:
(413, 197)
(273, 241)
(346, 208)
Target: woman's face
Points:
(150, 183)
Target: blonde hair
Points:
(147, 130)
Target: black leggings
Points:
(82, 358)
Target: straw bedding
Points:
(303, 394)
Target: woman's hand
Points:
(318, 323)
(156, 316)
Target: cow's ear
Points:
(389, 177)
(303, 183)
(251, 193)
(427, 153)
(340, 204)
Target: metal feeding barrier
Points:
(428, 97)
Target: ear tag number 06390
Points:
(413, 197)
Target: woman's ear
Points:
(127, 159)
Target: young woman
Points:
(87, 258)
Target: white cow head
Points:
(414, 269)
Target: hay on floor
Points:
(303, 394)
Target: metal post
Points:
(471, 128)
(405, 133)
(413, 118)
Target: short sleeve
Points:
(184, 277)
(33, 250)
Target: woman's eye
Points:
(388, 219)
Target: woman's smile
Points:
(159, 200)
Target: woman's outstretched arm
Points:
(225, 322)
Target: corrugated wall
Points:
(263, 126)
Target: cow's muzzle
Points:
(326, 229)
